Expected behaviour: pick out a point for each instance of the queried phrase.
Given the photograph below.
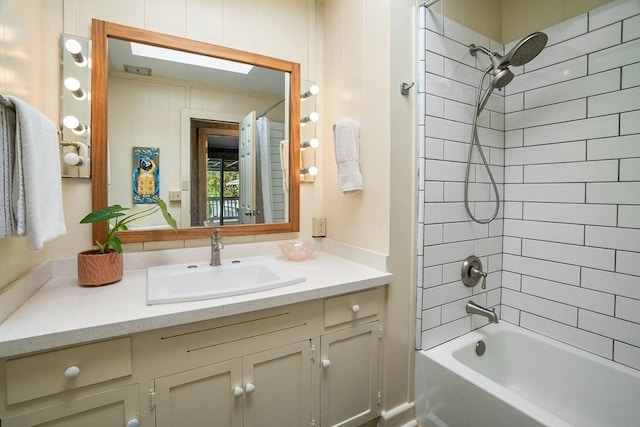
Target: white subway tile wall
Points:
(565, 261)
(448, 235)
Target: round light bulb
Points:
(313, 171)
(314, 90)
(314, 143)
(71, 122)
(75, 49)
(73, 85)
(314, 116)
(74, 124)
(72, 159)
(73, 46)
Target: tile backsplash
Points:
(567, 263)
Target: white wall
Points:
(571, 239)
(572, 168)
(446, 235)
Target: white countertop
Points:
(61, 312)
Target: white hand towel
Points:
(346, 136)
(37, 187)
(284, 162)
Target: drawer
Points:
(43, 374)
(347, 308)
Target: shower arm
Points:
(473, 49)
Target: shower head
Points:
(501, 78)
(527, 49)
(524, 51)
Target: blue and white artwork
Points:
(146, 174)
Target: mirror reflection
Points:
(216, 144)
(237, 124)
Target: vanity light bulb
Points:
(73, 85)
(74, 124)
(312, 143)
(313, 117)
(75, 49)
(73, 159)
(313, 90)
(311, 170)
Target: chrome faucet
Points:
(473, 308)
(216, 246)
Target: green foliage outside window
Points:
(213, 184)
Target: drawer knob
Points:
(355, 308)
(238, 391)
(72, 372)
(326, 363)
(250, 388)
(133, 422)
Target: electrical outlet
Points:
(319, 227)
(175, 195)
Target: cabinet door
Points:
(201, 397)
(349, 382)
(278, 387)
(108, 409)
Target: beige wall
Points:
(356, 88)
(29, 33)
(508, 20)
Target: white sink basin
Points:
(199, 281)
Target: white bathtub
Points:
(523, 379)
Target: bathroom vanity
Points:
(305, 354)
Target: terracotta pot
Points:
(96, 269)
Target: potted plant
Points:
(104, 265)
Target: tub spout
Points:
(473, 308)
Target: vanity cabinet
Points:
(314, 363)
(273, 385)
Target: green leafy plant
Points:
(117, 212)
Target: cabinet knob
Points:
(355, 308)
(250, 388)
(238, 391)
(72, 372)
(133, 422)
(326, 363)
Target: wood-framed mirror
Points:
(114, 166)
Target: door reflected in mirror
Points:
(224, 140)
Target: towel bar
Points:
(4, 101)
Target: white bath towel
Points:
(7, 159)
(346, 137)
(284, 162)
(37, 185)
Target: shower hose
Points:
(475, 141)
